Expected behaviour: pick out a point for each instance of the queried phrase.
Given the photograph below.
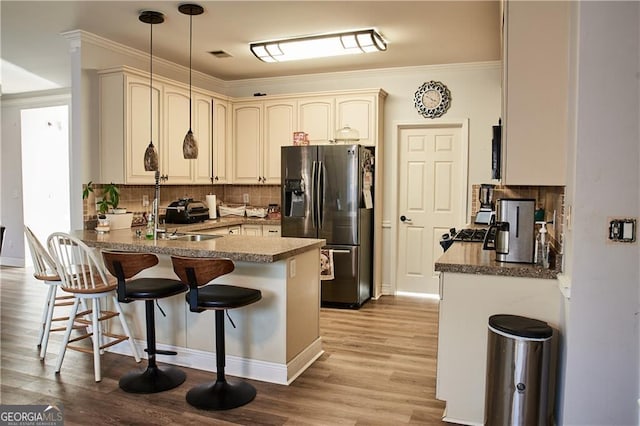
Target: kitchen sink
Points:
(194, 237)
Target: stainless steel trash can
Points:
(517, 382)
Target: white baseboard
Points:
(271, 372)
(12, 261)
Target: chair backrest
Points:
(205, 269)
(124, 265)
(44, 266)
(80, 269)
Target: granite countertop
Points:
(235, 247)
(219, 223)
(470, 258)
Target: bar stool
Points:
(198, 272)
(83, 275)
(123, 266)
(45, 270)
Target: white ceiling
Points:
(417, 32)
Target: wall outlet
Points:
(145, 201)
(245, 198)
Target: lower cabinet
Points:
(261, 230)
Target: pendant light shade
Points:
(150, 154)
(190, 145)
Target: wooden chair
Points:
(83, 275)
(123, 266)
(45, 270)
(198, 272)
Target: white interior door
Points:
(430, 202)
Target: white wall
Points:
(601, 380)
(11, 215)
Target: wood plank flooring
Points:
(379, 368)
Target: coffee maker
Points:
(486, 212)
(514, 230)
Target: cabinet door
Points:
(271, 230)
(358, 113)
(247, 134)
(203, 131)
(316, 118)
(279, 125)
(215, 231)
(176, 125)
(136, 115)
(252, 230)
(535, 107)
(234, 230)
(221, 138)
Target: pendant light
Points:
(190, 145)
(150, 155)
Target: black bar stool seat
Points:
(198, 272)
(123, 266)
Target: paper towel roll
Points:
(211, 203)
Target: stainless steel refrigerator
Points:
(327, 193)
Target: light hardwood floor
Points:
(379, 368)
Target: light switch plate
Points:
(623, 230)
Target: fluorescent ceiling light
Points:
(319, 46)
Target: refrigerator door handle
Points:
(320, 194)
(313, 193)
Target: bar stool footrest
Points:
(221, 395)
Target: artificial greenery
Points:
(110, 196)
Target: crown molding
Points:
(77, 37)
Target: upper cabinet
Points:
(260, 129)
(360, 113)
(221, 140)
(535, 92)
(125, 129)
(317, 119)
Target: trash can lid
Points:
(521, 326)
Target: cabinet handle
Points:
(215, 178)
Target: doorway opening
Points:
(45, 171)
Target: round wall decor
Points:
(432, 99)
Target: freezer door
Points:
(339, 194)
(298, 186)
(351, 286)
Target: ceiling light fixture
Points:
(190, 145)
(319, 46)
(150, 155)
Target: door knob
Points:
(403, 218)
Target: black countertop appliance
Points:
(185, 210)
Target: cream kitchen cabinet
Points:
(271, 231)
(260, 129)
(320, 117)
(221, 139)
(535, 92)
(360, 113)
(316, 117)
(252, 230)
(124, 112)
(222, 230)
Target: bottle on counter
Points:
(150, 226)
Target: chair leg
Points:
(67, 334)
(153, 379)
(46, 328)
(125, 327)
(45, 313)
(221, 394)
(97, 338)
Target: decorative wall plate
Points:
(432, 99)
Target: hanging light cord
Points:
(190, 47)
(151, 86)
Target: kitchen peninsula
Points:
(474, 286)
(274, 340)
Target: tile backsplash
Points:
(550, 198)
(131, 197)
